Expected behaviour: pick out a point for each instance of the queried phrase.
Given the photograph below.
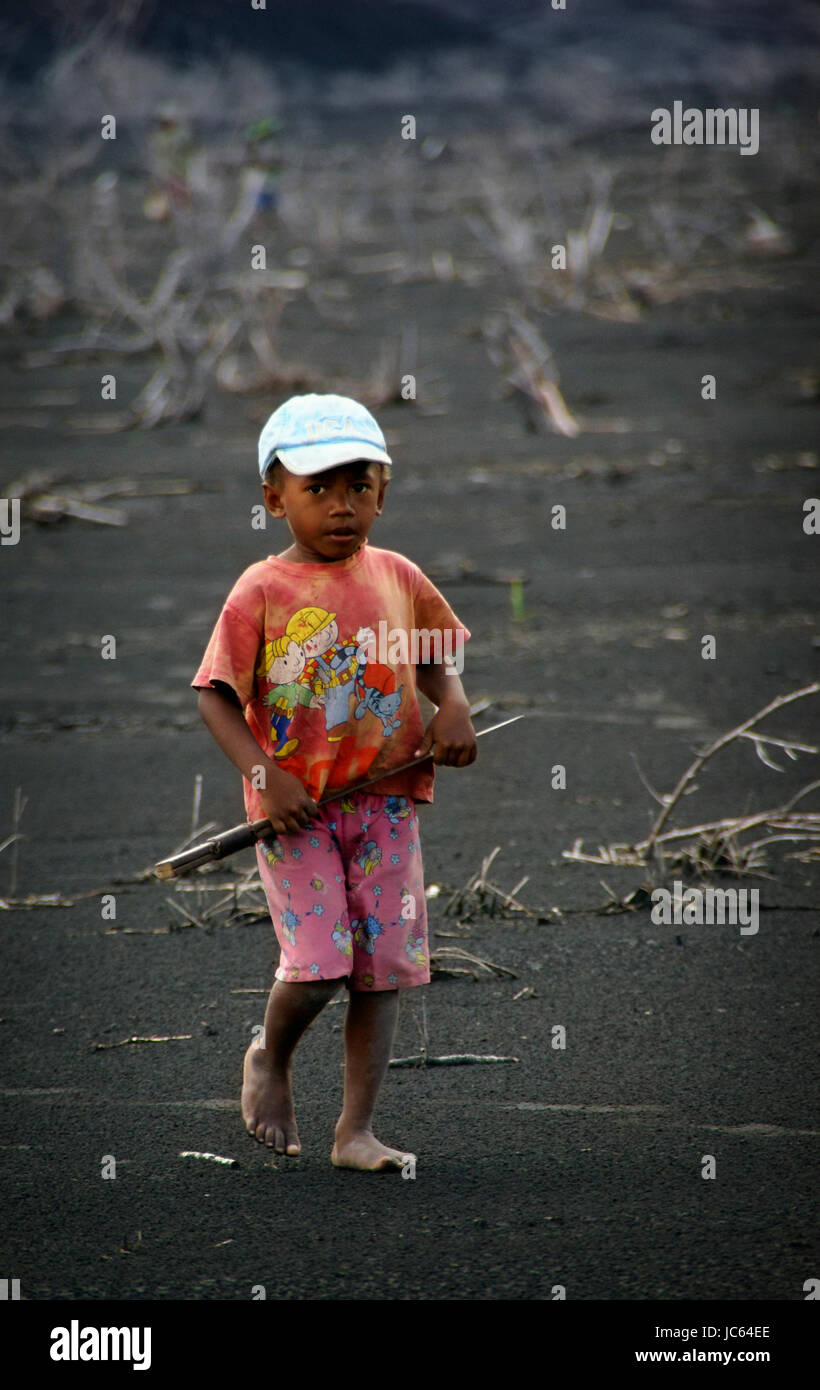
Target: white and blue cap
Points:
(310, 434)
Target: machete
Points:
(245, 835)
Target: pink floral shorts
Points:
(346, 895)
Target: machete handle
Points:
(218, 847)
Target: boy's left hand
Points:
(452, 732)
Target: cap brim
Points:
(318, 458)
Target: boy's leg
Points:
(386, 904)
(267, 1096)
(369, 1027)
(303, 878)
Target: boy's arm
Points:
(285, 801)
(450, 729)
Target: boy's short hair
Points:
(276, 470)
(274, 473)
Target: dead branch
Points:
(455, 1059)
(702, 758)
(480, 895)
(212, 1158)
(716, 845)
(124, 1042)
(535, 371)
(456, 953)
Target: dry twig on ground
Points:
(480, 896)
(455, 1059)
(440, 957)
(716, 846)
(516, 346)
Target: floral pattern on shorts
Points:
(360, 913)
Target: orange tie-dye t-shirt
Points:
(322, 659)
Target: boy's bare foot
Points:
(363, 1150)
(267, 1103)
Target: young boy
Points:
(297, 695)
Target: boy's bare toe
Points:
(267, 1104)
(280, 1140)
(364, 1151)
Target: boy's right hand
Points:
(286, 803)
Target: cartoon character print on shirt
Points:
(282, 663)
(330, 666)
(375, 685)
(308, 673)
(336, 670)
(384, 706)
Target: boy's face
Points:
(329, 514)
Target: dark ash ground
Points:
(580, 1167)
